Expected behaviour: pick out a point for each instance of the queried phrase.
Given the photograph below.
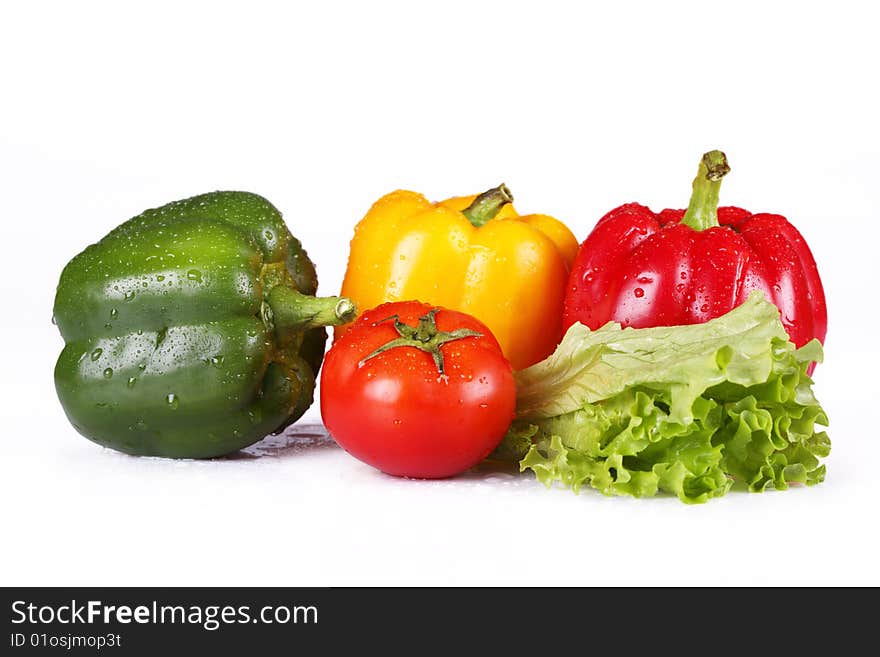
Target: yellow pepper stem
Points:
(487, 205)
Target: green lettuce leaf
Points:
(685, 410)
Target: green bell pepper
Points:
(192, 330)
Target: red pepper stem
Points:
(702, 212)
(487, 205)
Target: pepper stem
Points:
(487, 205)
(425, 337)
(702, 210)
(290, 310)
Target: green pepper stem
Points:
(294, 311)
(487, 205)
(702, 210)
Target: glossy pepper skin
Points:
(641, 268)
(191, 330)
(471, 254)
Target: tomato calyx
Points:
(425, 336)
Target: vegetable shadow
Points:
(295, 440)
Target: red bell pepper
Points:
(641, 268)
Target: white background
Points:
(106, 110)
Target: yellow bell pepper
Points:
(474, 254)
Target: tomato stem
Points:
(425, 336)
(702, 212)
(487, 205)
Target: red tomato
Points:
(409, 412)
